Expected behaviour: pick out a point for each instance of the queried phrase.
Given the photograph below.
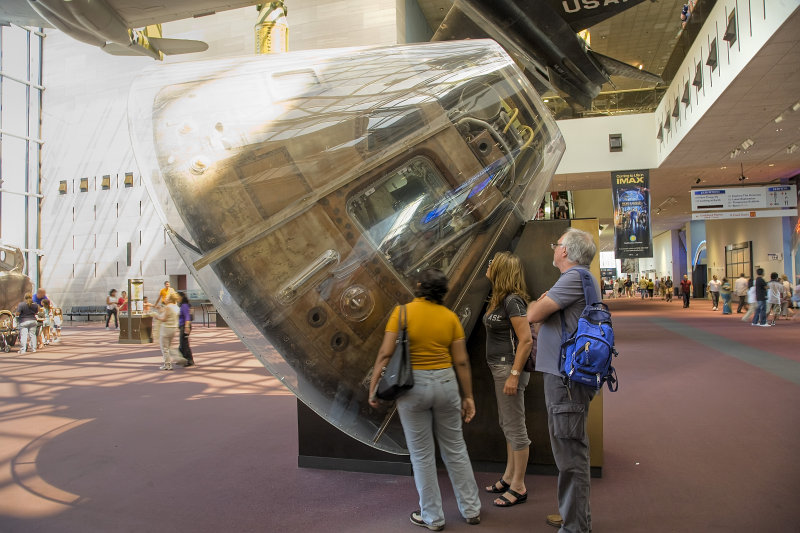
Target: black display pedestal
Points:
(323, 446)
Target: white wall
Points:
(662, 254)
(587, 144)
(766, 234)
(335, 24)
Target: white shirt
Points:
(740, 287)
(751, 295)
(713, 285)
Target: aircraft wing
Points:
(111, 24)
(616, 67)
(20, 13)
(139, 14)
(135, 13)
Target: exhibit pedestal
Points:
(136, 329)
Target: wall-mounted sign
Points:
(745, 198)
(763, 213)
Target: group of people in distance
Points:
(644, 287)
(434, 408)
(776, 298)
(173, 314)
(39, 321)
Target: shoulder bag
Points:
(397, 377)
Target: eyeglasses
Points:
(554, 245)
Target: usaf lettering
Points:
(573, 6)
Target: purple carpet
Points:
(94, 438)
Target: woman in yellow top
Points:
(434, 407)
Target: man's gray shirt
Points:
(567, 292)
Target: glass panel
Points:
(305, 190)
(401, 218)
(15, 107)
(15, 52)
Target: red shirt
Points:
(686, 285)
(122, 303)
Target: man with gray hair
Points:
(567, 403)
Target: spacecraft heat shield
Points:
(306, 190)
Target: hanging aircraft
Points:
(541, 35)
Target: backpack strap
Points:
(589, 296)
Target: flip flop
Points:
(520, 498)
(494, 490)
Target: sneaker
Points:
(416, 519)
(106, 327)
(190, 363)
(163, 367)
(766, 325)
(21, 351)
(473, 521)
(169, 366)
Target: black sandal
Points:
(494, 490)
(520, 498)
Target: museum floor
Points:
(703, 435)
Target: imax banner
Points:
(632, 237)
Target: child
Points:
(48, 315)
(58, 318)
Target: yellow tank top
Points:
(432, 328)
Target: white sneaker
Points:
(765, 325)
(21, 351)
(163, 367)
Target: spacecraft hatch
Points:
(306, 190)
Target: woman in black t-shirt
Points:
(508, 345)
(26, 313)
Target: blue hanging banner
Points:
(632, 235)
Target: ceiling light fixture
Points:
(735, 153)
(796, 107)
(698, 180)
(747, 144)
(779, 119)
(791, 149)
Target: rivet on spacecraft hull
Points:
(306, 190)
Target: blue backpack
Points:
(586, 356)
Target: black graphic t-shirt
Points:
(499, 348)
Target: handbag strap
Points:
(402, 319)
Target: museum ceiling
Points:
(767, 87)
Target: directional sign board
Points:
(746, 198)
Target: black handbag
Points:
(397, 377)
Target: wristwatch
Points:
(514, 372)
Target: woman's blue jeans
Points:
(432, 408)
